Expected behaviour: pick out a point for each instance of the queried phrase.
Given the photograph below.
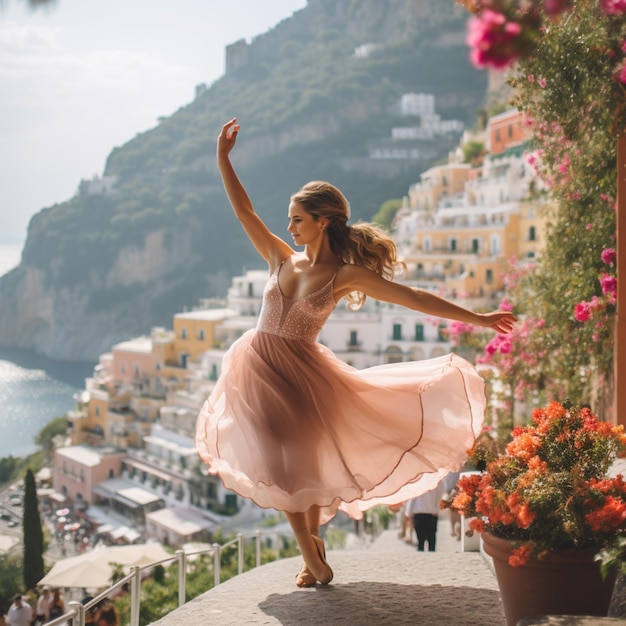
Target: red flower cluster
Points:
(551, 488)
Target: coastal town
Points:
(128, 470)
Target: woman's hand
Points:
(227, 138)
(500, 321)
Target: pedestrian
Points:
(424, 512)
(42, 611)
(294, 428)
(56, 606)
(108, 616)
(20, 612)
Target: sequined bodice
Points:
(299, 318)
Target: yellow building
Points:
(195, 332)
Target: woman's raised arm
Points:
(269, 246)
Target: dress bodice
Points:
(298, 318)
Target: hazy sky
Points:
(84, 76)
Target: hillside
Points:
(102, 267)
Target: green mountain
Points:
(111, 262)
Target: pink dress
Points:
(289, 425)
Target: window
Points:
(532, 234)
(497, 134)
(213, 374)
(397, 332)
(111, 473)
(427, 244)
(136, 370)
(441, 334)
(97, 411)
(510, 131)
(183, 333)
(354, 340)
(475, 246)
(419, 332)
(250, 290)
(489, 276)
(452, 245)
(201, 334)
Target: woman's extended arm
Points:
(357, 278)
(269, 246)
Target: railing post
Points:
(79, 613)
(134, 594)
(216, 564)
(258, 548)
(240, 547)
(182, 576)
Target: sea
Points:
(34, 389)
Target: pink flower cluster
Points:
(613, 7)
(504, 31)
(584, 311)
(494, 40)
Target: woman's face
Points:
(304, 228)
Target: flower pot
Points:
(567, 582)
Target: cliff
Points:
(119, 258)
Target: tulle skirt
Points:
(289, 425)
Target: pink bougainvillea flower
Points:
(494, 41)
(608, 256)
(622, 75)
(555, 7)
(608, 284)
(582, 312)
(612, 7)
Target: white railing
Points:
(77, 611)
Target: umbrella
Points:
(93, 569)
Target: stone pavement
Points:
(388, 582)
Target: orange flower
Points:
(520, 555)
(611, 516)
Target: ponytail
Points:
(367, 245)
(358, 244)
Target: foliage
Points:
(550, 490)
(386, 213)
(45, 437)
(11, 570)
(568, 84)
(32, 533)
(473, 151)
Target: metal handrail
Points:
(77, 611)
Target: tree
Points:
(45, 437)
(10, 569)
(33, 534)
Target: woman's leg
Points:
(311, 547)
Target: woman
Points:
(292, 427)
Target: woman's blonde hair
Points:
(359, 244)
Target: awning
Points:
(152, 471)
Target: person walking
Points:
(292, 427)
(423, 510)
(20, 612)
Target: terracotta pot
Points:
(566, 582)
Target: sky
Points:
(84, 76)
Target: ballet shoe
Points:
(305, 578)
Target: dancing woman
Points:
(294, 428)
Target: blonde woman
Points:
(292, 427)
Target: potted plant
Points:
(549, 501)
